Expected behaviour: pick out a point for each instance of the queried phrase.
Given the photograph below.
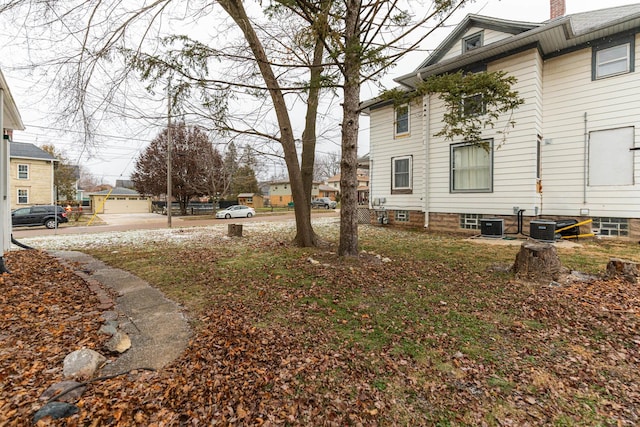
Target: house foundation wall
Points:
(629, 228)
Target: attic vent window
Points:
(471, 42)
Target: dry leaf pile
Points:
(479, 351)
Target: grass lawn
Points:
(422, 329)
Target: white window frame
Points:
(409, 172)
(453, 168)
(23, 199)
(23, 174)
(626, 45)
(398, 120)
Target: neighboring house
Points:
(328, 191)
(119, 200)
(280, 193)
(31, 175)
(572, 152)
(254, 200)
(363, 184)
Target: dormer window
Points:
(471, 42)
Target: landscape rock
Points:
(58, 389)
(119, 343)
(55, 410)
(109, 328)
(82, 364)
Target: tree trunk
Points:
(622, 268)
(350, 125)
(309, 137)
(304, 232)
(537, 261)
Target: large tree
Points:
(316, 45)
(191, 170)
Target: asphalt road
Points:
(125, 222)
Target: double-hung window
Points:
(23, 171)
(402, 120)
(613, 58)
(23, 196)
(472, 167)
(401, 175)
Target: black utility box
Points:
(543, 230)
(492, 227)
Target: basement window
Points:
(470, 221)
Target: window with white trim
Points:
(401, 174)
(613, 59)
(401, 120)
(23, 171)
(23, 196)
(472, 167)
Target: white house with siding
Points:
(572, 153)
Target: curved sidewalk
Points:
(158, 330)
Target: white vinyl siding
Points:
(514, 157)
(384, 148)
(574, 105)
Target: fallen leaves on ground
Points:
(476, 351)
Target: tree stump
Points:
(537, 261)
(623, 268)
(234, 230)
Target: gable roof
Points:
(476, 21)
(25, 150)
(550, 37)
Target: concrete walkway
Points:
(158, 330)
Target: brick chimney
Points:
(557, 8)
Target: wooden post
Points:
(234, 230)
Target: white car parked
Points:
(236, 211)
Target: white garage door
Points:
(115, 206)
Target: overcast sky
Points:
(116, 158)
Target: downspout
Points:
(426, 112)
(586, 160)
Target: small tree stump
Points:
(623, 268)
(537, 261)
(234, 230)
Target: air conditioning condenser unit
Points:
(492, 227)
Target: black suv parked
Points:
(38, 215)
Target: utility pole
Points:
(169, 149)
